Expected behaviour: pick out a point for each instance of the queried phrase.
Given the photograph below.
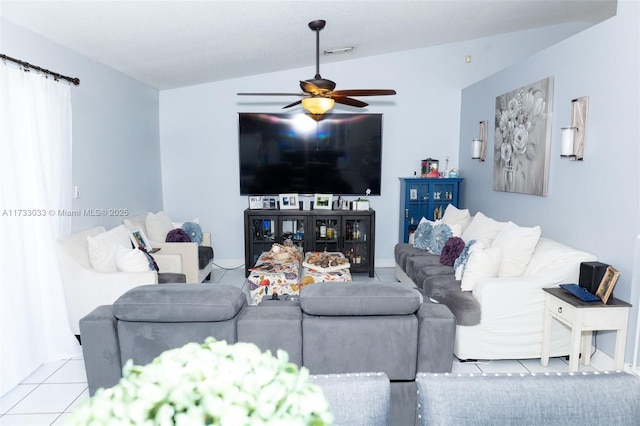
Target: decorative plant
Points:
(209, 384)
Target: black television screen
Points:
(339, 154)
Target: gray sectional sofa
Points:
(332, 328)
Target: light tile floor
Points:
(55, 389)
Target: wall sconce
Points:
(574, 137)
(479, 145)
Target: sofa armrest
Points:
(100, 348)
(436, 338)
(519, 298)
(171, 263)
(189, 255)
(85, 288)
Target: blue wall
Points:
(116, 146)
(199, 135)
(593, 205)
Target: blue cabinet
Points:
(425, 197)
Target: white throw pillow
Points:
(158, 226)
(178, 225)
(455, 216)
(482, 228)
(102, 248)
(484, 263)
(131, 260)
(518, 244)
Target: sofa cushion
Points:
(455, 216)
(518, 244)
(340, 299)
(158, 226)
(482, 228)
(102, 248)
(179, 303)
(419, 268)
(483, 263)
(403, 251)
(446, 290)
(132, 260)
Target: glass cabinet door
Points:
(263, 235)
(292, 228)
(327, 234)
(356, 233)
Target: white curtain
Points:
(35, 183)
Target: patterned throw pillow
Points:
(421, 237)
(438, 236)
(461, 262)
(194, 231)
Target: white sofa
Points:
(501, 318)
(86, 287)
(187, 252)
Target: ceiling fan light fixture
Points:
(317, 105)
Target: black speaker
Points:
(591, 274)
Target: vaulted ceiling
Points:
(169, 44)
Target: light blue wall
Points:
(593, 205)
(116, 148)
(199, 136)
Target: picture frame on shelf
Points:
(607, 283)
(413, 193)
(289, 201)
(255, 202)
(322, 201)
(139, 239)
(270, 202)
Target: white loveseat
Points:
(501, 317)
(86, 287)
(155, 226)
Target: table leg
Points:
(574, 352)
(586, 347)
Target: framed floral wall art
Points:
(523, 139)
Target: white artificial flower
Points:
(213, 383)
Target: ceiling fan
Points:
(318, 94)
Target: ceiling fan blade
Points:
(271, 94)
(310, 88)
(350, 101)
(292, 104)
(364, 92)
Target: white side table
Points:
(583, 318)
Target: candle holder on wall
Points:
(479, 145)
(574, 137)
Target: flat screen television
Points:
(338, 154)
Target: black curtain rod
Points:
(75, 81)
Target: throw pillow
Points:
(482, 228)
(451, 250)
(461, 262)
(455, 216)
(194, 231)
(179, 224)
(440, 234)
(158, 226)
(102, 248)
(421, 236)
(131, 260)
(484, 263)
(177, 236)
(518, 244)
